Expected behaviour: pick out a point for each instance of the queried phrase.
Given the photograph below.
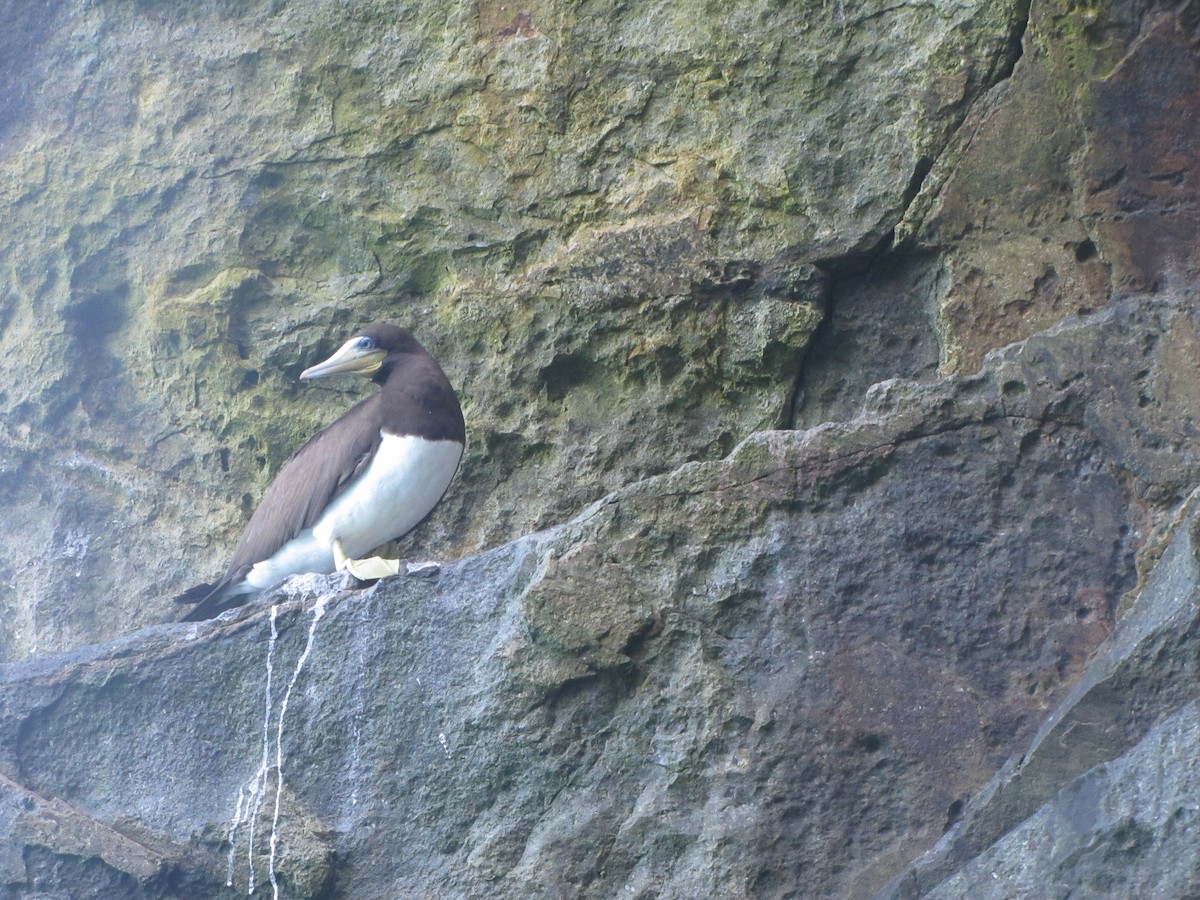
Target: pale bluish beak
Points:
(349, 358)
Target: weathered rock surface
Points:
(607, 222)
(1126, 828)
(874, 326)
(874, 598)
(1106, 800)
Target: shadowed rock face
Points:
(868, 332)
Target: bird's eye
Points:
(365, 343)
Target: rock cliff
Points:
(828, 522)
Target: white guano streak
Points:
(317, 612)
(252, 794)
(256, 786)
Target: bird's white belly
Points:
(404, 481)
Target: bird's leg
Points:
(339, 556)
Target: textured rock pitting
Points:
(871, 599)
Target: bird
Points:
(367, 479)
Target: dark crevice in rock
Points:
(834, 270)
(637, 644)
(1003, 67)
(842, 360)
(1085, 250)
(1016, 44)
(920, 171)
(879, 325)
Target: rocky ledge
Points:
(787, 673)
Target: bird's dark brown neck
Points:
(417, 398)
(397, 366)
(385, 371)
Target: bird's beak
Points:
(349, 358)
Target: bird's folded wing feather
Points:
(321, 469)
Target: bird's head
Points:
(370, 352)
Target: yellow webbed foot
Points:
(372, 568)
(382, 563)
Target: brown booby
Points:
(369, 478)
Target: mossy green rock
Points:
(609, 224)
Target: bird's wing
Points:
(321, 469)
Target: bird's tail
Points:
(211, 600)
